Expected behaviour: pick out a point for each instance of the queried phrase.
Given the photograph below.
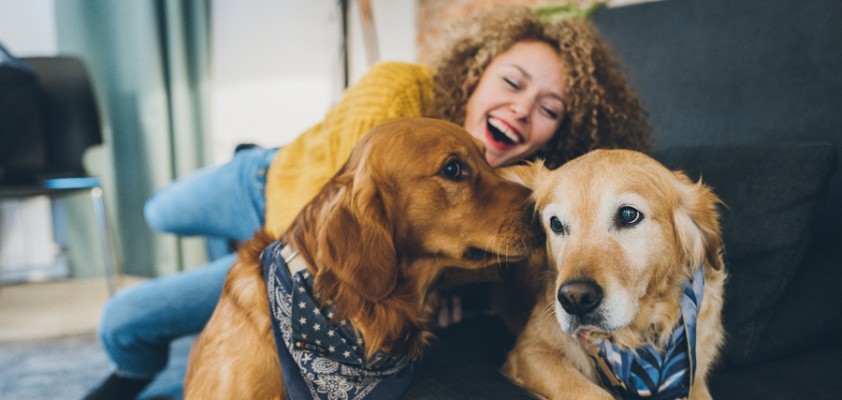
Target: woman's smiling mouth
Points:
(500, 135)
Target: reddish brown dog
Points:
(416, 196)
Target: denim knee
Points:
(225, 201)
(155, 219)
(121, 335)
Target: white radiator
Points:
(28, 249)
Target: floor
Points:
(42, 310)
(48, 346)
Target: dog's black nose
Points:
(579, 297)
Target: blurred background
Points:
(177, 86)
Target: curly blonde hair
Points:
(602, 110)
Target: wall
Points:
(272, 68)
(435, 15)
(276, 64)
(28, 27)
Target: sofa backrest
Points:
(715, 71)
(750, 72)
(726, 71)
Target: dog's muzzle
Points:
(648, 372)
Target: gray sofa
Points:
(746, 94)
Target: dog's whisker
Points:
(549, 310)
(505, 255)
(494, 241)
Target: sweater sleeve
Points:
(389, 90)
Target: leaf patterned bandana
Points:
(645, 372)
(322, 359)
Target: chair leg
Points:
(108, 258)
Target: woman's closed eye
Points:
(550, 112)
(511, 82)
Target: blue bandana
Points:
(646, 373)
(321, 359)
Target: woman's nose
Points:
(521, 109)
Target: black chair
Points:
(45, 142)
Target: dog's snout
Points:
(580, 297)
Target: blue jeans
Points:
(139, 323)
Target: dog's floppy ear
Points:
(697, 223)
(356, 236)
(528, 174)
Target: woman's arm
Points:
(389, 90)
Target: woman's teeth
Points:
(501, 132)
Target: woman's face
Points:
(518, 103)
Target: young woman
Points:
(523, 87)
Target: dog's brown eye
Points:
(628, 215)
(453, 170)
(557, 226)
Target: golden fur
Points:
(601, 110)
(376, 239)
(640, 268)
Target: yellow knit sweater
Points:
(299, 170)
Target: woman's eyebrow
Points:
(522, 71)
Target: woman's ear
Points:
(697, 223)
(356, 243)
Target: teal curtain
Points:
(148, 60)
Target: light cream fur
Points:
(641, 268)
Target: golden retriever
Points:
(624, 236)
(416, 196)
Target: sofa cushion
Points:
(810, 375)
(771, 195)
(464, 363)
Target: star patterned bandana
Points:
(322, 359)
(644, 372)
